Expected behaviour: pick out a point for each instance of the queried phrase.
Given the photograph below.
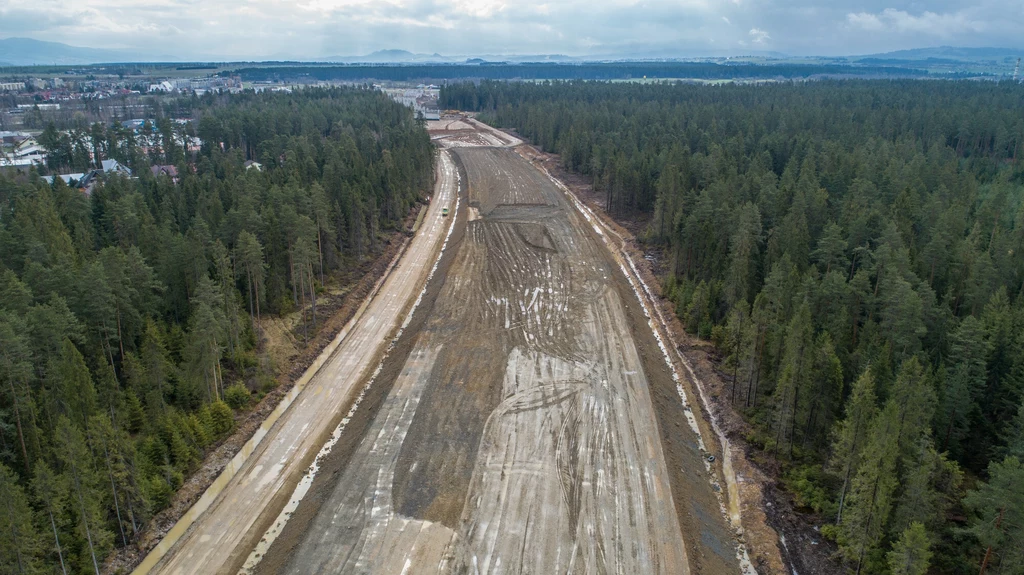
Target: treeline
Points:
(129, 319)
(855, 250)
(562, 71)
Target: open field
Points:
(529, 423)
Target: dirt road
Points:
(522, 431)
(219, 538)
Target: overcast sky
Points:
(318, 28)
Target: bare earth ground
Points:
(767, 510)
(515, 428)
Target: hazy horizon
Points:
(311, 29)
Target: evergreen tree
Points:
(872, 489)
(74, 395)
(207, 333)
(911, 554)
(115, 452)
(51, 491)
(831, 251)
(16, 377)
(929, 486)
(794, 377)
(965, 382)
(1015, 437)
(743, 252)
(894, 433)
(821, 399)
(852, 433)
(249, 262)
(76, 463)
(19, 541)
(999, 514)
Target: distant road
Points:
(221, 538)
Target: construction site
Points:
(514, 409)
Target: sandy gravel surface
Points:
(519, 432)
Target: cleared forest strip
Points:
(518, 439)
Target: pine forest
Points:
(129, 316)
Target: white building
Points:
(115, 166)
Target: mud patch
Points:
(536, 235)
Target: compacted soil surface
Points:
(525, 422)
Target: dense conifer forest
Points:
(129, 318)
(855, 252)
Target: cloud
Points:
(928, 23)
(19, 21)
(864, 20)
(257, 29)
(759, 36)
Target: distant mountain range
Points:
(388, 57)
(27, 52)
(948, 53)
(404, 56)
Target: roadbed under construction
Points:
(526, 421)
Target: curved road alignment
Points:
(216, 535)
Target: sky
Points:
(263, 29)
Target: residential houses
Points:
(169, 171)
(86, 181)
(20, 149)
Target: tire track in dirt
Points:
(526, 421)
